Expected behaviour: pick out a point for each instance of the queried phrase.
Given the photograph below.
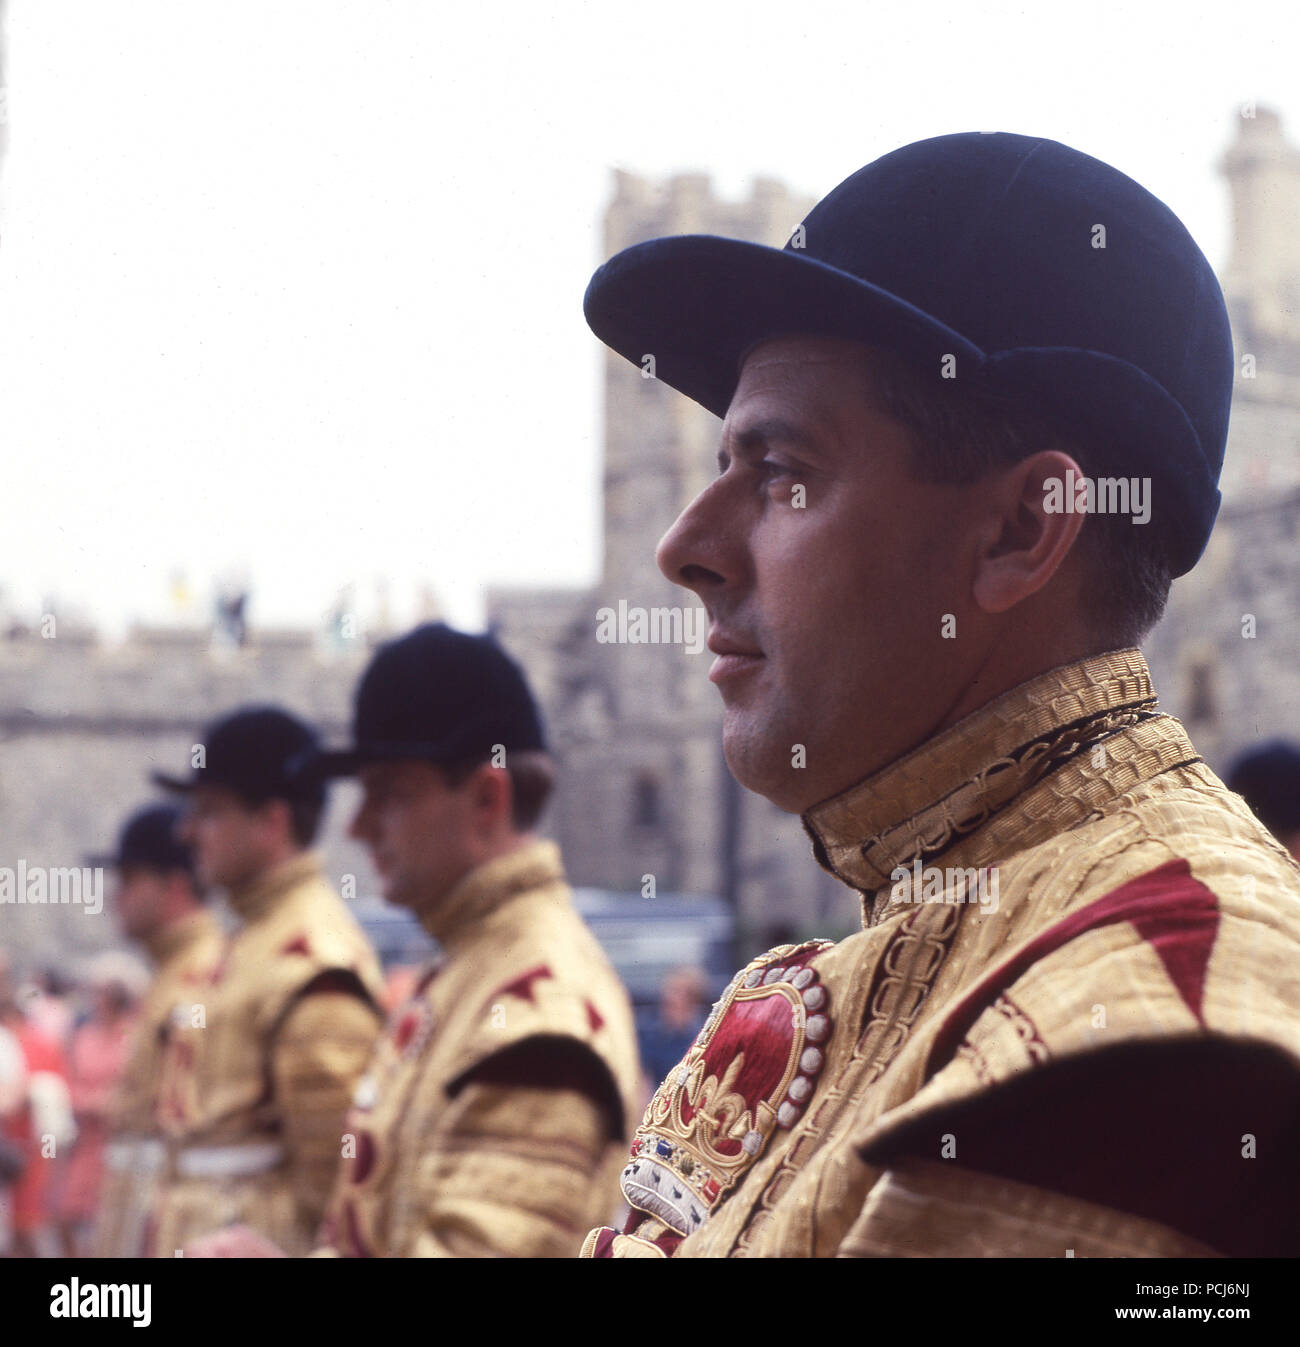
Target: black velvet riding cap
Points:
(149, 841)
(436, 695)
(1269, 778)
(1047, 274)
(252, 752)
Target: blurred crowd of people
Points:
(63, 1045)
(81, 1049)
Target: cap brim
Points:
(323, 766)
(319, 766)
(177, 784)
(697, 303)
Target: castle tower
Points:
(1262, 278)
(669, 804)
(636, 725)
(651, 787)
(659, 446)
(1226, 657)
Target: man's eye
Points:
(782, 476)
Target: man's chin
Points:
(766, 769)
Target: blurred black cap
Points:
(149, 840)
(1269, 778)
(436, 695)
(252, 752)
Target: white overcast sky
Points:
(293, 291)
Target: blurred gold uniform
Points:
(184, 955)
(1079, 1036)
(256, 1084)
(492, 1119)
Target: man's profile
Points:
(933, 662)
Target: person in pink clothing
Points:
(25, 1127)
(96, 1058)
(47, 1005)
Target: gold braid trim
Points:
(945, 788)
(933, 831)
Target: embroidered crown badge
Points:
(750, 1072)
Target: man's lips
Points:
(734, 657)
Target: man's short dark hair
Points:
(960, 433)
(532, 778)
(304, 820)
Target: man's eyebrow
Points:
(772, 430)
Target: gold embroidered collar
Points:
(254, 900)
(951, 785)
(489, 887)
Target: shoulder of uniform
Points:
(1055, 1127)
(332, 998)
(1171, 946)
(312, 943)
(1155, 963)
(543, 1062)
(551, 968)
(315, 923)
(537, 999)
(544, 996)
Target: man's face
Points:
(230, 839)
(826, 571)
(417, 830)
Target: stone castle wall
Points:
(82, 726)
(636, 728)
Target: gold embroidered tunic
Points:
(184, 954)
(1070, 927)
(256, 1082)
(493, 1118)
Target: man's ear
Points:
(1028, 533)
(492, 793)
(276, 815)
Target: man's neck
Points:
(170, 933)
(1006, 665)
(252, 895)
(457, 905)
(484, 854)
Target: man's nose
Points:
(697, 552)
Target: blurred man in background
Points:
(490, 1121)
(255, 1082)
(159, 904)
(38, 1127)
(1268, 778)
(97, 1054)
(671, 1029)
